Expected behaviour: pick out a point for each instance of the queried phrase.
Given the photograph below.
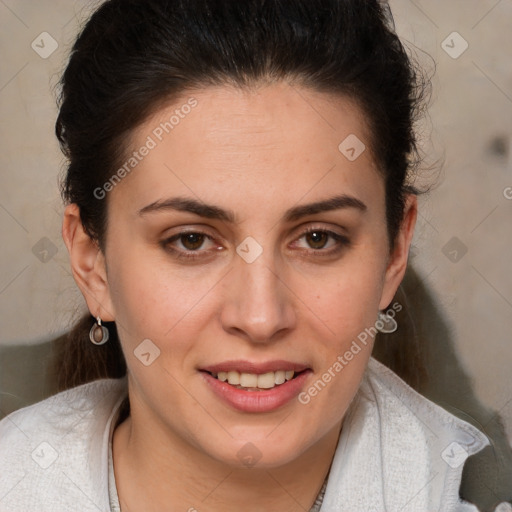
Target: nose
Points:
(259, 304)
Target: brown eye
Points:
(317, 239)
(192, 241)
(191, 246)
(322, 242)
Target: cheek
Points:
(348, 300)
(155, 300)
(349, 308)
(350, 305)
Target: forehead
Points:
(261, 143)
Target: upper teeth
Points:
(251, 380)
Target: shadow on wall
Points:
(421, 352)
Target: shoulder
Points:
(68, 412)
(48, 448)
(398, 450)
(392, 394)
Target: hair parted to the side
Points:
(134, 56)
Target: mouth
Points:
(254, 381)
(256, 387)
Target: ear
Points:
(397, 264)
(87, 265)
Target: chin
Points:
(259, 452)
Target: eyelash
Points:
(342, 242)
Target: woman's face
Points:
(244, 240)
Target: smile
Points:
(253, 387)
(254, 382)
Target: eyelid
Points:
(322, 227)
(190, 254)
(341, 239)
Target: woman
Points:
(239, 215)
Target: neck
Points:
(172, 472)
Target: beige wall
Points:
(470, 126)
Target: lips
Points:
(252, 400)
(256, 387)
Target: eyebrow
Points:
(209, 211)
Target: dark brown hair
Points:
(134, 56)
